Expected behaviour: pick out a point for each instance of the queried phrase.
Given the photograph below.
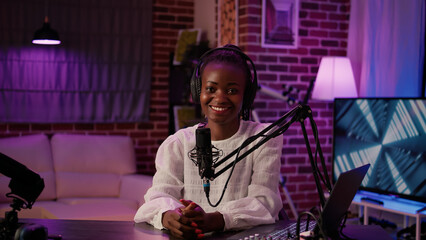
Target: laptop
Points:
(334, 210)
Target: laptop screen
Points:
(340, 199)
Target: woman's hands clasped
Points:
(191, 221)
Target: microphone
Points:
(203, 147)
(204, 157)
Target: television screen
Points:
(388, 133)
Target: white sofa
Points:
(86, 177)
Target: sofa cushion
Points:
(34, 152)
(76, 184)
(91, 165)
(134, 187)
(112, 209)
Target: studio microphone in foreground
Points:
(203, 146)
(202, 156)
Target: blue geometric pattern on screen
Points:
(390, 134)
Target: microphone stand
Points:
(297, 114)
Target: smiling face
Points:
(222, 93)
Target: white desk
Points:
(401, 206)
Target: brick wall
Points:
(323, 30)
(323, 27)
(168, 17)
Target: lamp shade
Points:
(335, 79)
(46, 35)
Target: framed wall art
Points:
(186, 38)
(184, 116)
(227, 22)
(280, 23)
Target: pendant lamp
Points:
(46, 35)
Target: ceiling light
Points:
(46, 35)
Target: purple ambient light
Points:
(46, 41)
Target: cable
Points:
(345, 217)
(317, 146)
(252, 138)
(317, 221)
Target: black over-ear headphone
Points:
(250, 91)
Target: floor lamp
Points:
(335, 79)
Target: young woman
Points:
(225, 87)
